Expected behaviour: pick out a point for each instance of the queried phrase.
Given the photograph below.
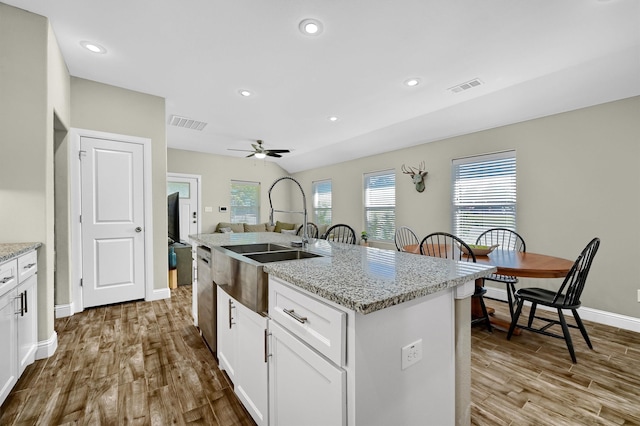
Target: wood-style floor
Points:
(145, 363)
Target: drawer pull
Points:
(6, 280)
(295, 316)
(31, 265)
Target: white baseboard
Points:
(589, 314)
(159, 294)
(63, 311)
(46, 348)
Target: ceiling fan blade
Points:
(278, 151)
(251, 155)
(272, 154)
(243, 150)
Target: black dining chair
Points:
(567, 297)
(447, 246)
(404, 237)
(312, 230)
(507, 240)
(340, 233)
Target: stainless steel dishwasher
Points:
(206, 298)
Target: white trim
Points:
(63, 311)
(76, 230)
(47, 348)
(465, 290)
(159, 294)
(601, 317)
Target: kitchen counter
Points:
(389, 297)
(363, 279)
(11, 250)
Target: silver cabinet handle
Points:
(29, 266)
(26, 304)
(295, 316)
(6, 280)
(230, 317)
(266, 346)
(138, 229)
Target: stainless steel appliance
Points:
(206, 298)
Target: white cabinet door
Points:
(227, 323)
(305, 389)
(27, 305)
(8, 339)
(251, 376)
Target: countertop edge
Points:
(9, 251)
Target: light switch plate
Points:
(208, 209)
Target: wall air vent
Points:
(466, 86)
(186, 123)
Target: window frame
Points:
(384, 235)
(497, 210)
(315, 202)
(256, 207)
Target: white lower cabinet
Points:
(18, 319)
(226, 322)
(241, 352)
(8, 353)
(305, 389)
(27, 302)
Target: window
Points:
(245, 202)
(484, 194)
(380, 205)
(321, 202)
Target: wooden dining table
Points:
(517, 264)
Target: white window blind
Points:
(484, 194)
(380, 205)
(321, 202)
(245, 202)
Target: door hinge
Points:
(81, 154)
(81, 282)
(80, 218)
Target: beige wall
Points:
(104, 108)
(217, 172)
(578, 177)
(34, 86)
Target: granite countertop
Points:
(11, 250)
(363, 279)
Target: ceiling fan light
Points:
(260, 155)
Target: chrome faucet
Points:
(305, 232)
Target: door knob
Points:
(138, 229)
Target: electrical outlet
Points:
(208, 209)
(411, 354)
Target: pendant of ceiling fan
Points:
(261, 152)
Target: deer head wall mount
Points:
(417, 175)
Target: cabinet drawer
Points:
(27, 265)
(321, 326)
(8, 276)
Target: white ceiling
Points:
(534, 58)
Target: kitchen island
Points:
(393, 307)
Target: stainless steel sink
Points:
(239, 270)
(279, 256)
(256, 248)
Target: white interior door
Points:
(189, 191)
(112, 221)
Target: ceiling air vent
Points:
(186, 123)
(466, 86)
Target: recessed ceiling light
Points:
(311, 27)
(93, 47)
(412, 82)
(245, 93)
(333, 118)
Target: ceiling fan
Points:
(261, 152)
